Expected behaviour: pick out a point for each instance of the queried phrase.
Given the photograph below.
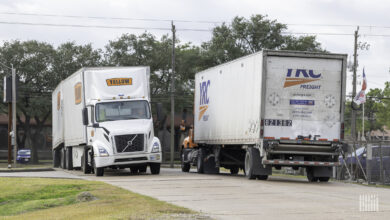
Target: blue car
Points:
(361, 154)
(24, 156)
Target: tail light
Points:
(342, 131)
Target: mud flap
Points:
(258, 168)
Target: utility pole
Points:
(9, 135)
(14, 132)
(173, 96)
(353, 119)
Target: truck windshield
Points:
(113, 111)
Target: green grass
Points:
(43, 198)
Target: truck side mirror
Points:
(160, 112)
(85, 116)
(95, 125)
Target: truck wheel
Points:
(249, 164)
(324, 179)
(69, 162)
(134, 170)
(200, 161)
(185, 167)
(142, 169)
(85, 167)
(262, 177)
(99, 171)
(234, 170)
(155, 168)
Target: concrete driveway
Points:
(234, 197)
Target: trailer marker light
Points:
(128, 97)
(323, 139)
(269, 138)
(113, 98)
(284, 138)
(121, 97)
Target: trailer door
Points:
(302, 97)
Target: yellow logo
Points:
(119, 81)
(202, 110)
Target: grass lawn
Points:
(44, 198)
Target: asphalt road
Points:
(234, 197)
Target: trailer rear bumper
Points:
(301, 163)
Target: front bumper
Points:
(118, 160)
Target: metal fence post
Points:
(368, 162)
(381, 164)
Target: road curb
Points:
(25, 170)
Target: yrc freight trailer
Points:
(102, 118)
(269, 109)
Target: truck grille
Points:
(129, 143)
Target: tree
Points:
(41, 67)
(243, 37)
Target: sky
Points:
(332, 21)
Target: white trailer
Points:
(271, 108)
(102, 118)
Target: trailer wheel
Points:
(234, 170)
(63, 158)
(324, 179)
(200, 161)
(69, 162)
(155, 168)
(249, 164)
(85, 167)
(262, 177)
(185, 167)
(310, 175)
(56, 158)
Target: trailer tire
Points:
(85, 167)
(324, 179)
(200, 161)
(249, 164)
(234, 170)
(310, 175)
(56, 158)
(63, 158)
(262, 177)
(69, 162)
(155, 168)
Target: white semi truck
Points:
(269, 109)
(102, 119)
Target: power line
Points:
(168, 29)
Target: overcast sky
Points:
(342, 15)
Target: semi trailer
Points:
(102, 119)
(269, 109)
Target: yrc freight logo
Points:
(203, 100)
(302, 76)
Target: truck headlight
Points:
(155, 148)
(103, 152)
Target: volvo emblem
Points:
(129, 143)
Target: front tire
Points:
(99, 171)
(185, 167)
(155, 168)
(85, 167)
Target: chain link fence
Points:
(366, 161)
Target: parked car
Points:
(361, 154)
(24, 156)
